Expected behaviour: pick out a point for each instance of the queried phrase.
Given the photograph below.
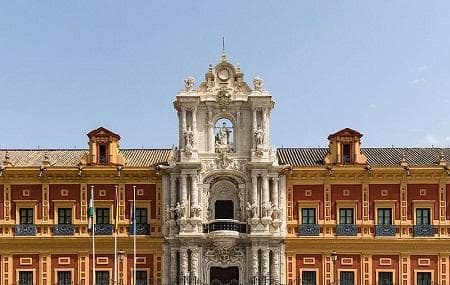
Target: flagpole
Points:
(134, 235)
(115, 237)
(93, 234)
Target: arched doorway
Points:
(224, 275)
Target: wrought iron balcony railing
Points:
(103, 229)
(25, 230)
(141, 229)
(424, 230)
(225, 225)
(347, 230)
(308, 230)
(385, 230)
(63, 230)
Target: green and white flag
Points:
(91, 210)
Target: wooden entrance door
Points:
(224, 276)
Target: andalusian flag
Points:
(91, 210)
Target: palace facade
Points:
(225, 207)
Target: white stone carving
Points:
(259, 136)
(188, 140)
(189, 83)
(258, 83)
(225, 255)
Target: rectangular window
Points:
(26, 216)
(102, 216)
(141, 277)
(141, 216)
(64, 278)
(308, 216)
(385, 278)
(64, 216)
(384, 216)
(347, 278)
(423, 278)
(308, 278)
(346, 154)
(101, 277)
(25, 277)
(102, 154)
(346, 216)
(423, 216)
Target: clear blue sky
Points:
(380, 67)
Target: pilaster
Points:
(7, 202)
(7, 269)
(83, 268)
(45, 269)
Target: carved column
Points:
(254, 189)
(194, 262)
(194, 190)
(183, 189)
(210, 131)
(265, 263)
(275, 266)
(255, 264)
(265, 191)
(173, 266)
(194, 127)
(275, 192)
(255, 126)
(184, 266)
(166, 264)
(173, 189)
(266, 126)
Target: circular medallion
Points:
(223, 74)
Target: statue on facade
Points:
(252, 210)
(180, 209)
(188, 139)
(189, 83)
(258, 83)
(223, 135)
(267, 209)
(259, 136)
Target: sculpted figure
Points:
(189, 83)
(188, 138)
(258, 83)
(224, 134)
(259, 136)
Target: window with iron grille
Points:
(346, 216)
(347, 278)
(385, 278)
(102, 216)
(308, 278)
(141, 277)
(308, 216)
(64, 278)
(26, 216)
(101, 277)
(25, 277)
(423, 278)
(423, 216)
(384, 216)
(141, 216)
(64, 216)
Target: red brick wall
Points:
(393, 193)
(110, 192)
(73, 194)
(316, 194)
(356, 265)
(394, 266)
(300, 258)
(148, 265)
(35, 195)
(448, 201)
(73, 265)
(432, 267)
(337, 191)
(149, 194)
(33, 266)
(432, 193)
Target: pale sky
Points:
(380, 67)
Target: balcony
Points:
(385, 230)
(424, 230)
(103, 229)
(308, 230)
(347, 230)
(225, 225)
(25, 230)
(63, 230)
(141, 229)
